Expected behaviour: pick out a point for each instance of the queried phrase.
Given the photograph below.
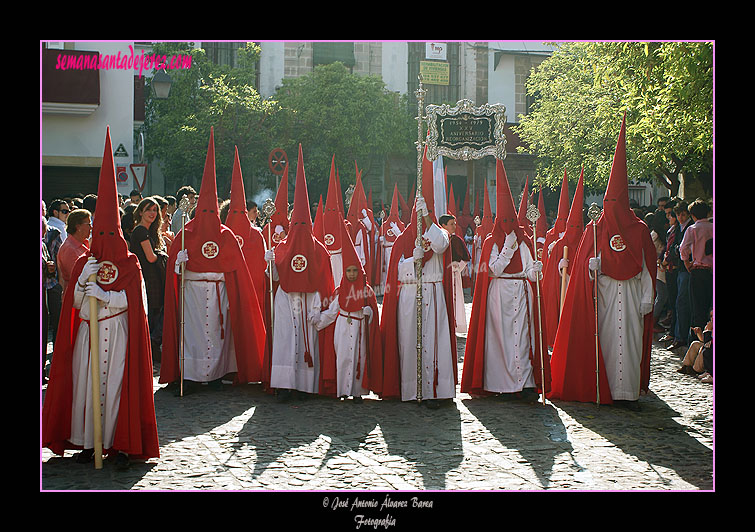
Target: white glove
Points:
(418, 254)
(563, 264)
(181, 257)
(510, 240)
(364, 213)
(594, 264)
(278, 229)
(313, 317)
(646, 308)
(396, 230)
(367, 311)
(381, 238)
(90, 267)
(550, 247)
(94, 290)
(422, 206)
(270, 255)
(537, 266)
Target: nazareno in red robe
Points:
(473, 373)
(573, 360)
(225, 257)
(136, 430)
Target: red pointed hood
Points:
(523, 204)
(237, 219)
(575, 223)
(487, 221)
(281, 203)
(620, 238)
(392, 217)
(542, 222)
(318, 227)
(332, 213)
(405, 210)
(107, 243)
(295, 257)
(351, 293)
(506, 218)
(563, 206)
(451, 207)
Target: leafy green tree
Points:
(203, 96)
(582, 91)
(332, 112)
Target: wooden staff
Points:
(94, 358)
(563, 283)
(594, 213)
(532, 215)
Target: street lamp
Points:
(161, 84)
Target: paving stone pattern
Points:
(241, 438)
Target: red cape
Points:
(573, 357)
(473, 373)
(389, 322)
(136, 432)
(244, 309)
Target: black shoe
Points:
(633, 406)
(85, 456)
(121, 462)
(356, 399)
(217, 384)
(282, 395)
(433, 404)
(529, 395)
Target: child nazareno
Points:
(354, 314)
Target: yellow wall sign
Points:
(434, 72)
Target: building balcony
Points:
(73, 90)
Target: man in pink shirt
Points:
(78, 226)
(696, 250)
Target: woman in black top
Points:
(148, 245)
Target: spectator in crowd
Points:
(657, 228)
(127, 220)
(189, 191)
(252, 211)
(53, 239)
(172, 205)
(164, 230)
(89, 203)
(135, 196)
(79, 228)
(682, 305)
(57, 214)
(48, 271)
(696, 250)
(699, 358)
(670, 270)
(148, 245)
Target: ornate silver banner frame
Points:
(466, 132)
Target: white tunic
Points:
(336, 266)
(350, 340)
(209, 351)
(293, 332)
(460, 315)
(436, 337)
(508, 329)
(113, 339)
(620, 329)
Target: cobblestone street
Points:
(240, 438)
